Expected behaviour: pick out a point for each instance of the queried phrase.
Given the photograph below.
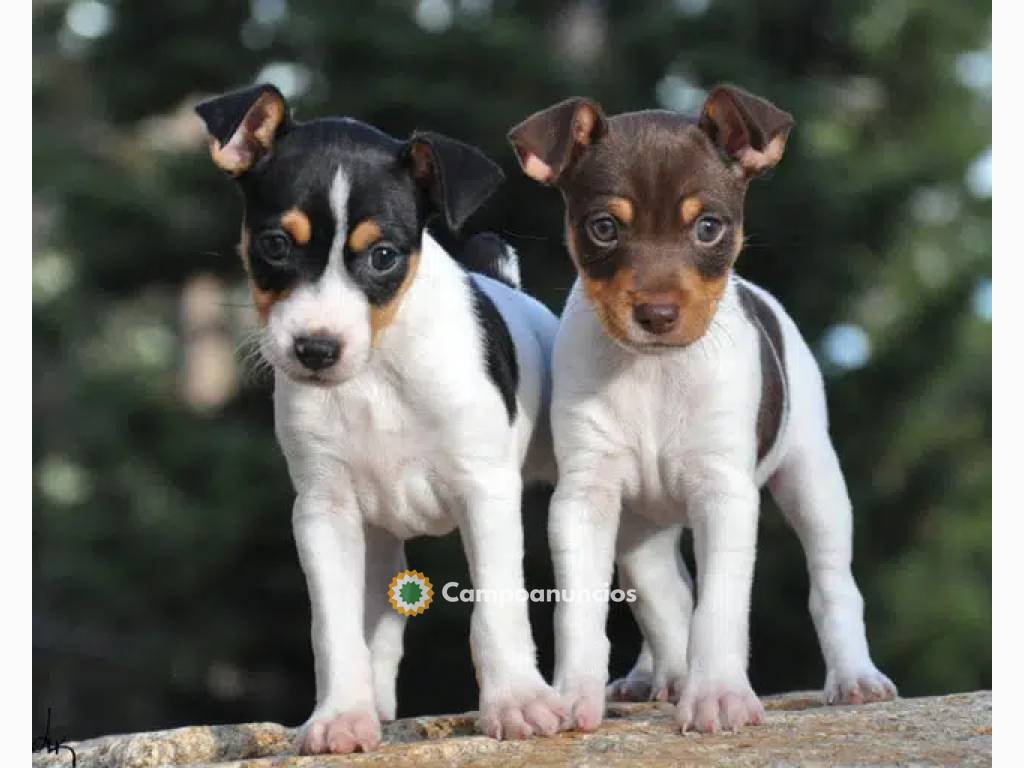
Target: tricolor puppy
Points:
(679, 390)
(409, 395)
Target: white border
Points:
(1008, 272)
(1008, 397)
(16, 385)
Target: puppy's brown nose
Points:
(656, 318)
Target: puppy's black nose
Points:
(317, 352)
(656, 318)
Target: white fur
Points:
(508, 266)
(649, 443)
(411, 438)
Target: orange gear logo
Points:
(410, 593)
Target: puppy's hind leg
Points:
(385, 556)
(638, 684)
(651, 564)
(810, 490)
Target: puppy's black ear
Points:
(243, 126)
(746, 128)
(550, 142)
(456, 177)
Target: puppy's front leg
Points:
(515, 702)
(331, 549)
(582, 528)
(722, 505)
(385, 556)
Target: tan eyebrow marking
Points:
(263, 300)
(690, 209)
(297, 224)
(622, 209)
(365, 234)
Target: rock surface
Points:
(951, 730)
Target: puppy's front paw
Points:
(584, 705)
(339, 733)
(530, 710)
(726, 703)
(858, 687)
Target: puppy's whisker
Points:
(255, 368)
(521, 236)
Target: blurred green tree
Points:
(166, 589)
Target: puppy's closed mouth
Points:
(321, 380)
(660, 348)
(651, 347)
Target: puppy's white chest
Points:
(665, 410)
(659, 420)
(375, 452)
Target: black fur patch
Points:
(774, 379)
(487, 253)
(499, 349)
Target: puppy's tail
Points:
(489, 255)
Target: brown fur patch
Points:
(253, 137)
(774, 376)
(365, 234)
(381, 317)
(613, 300)
(691, 208)
(700, 300)
(270, 110)
(297, 224)
(583, 124)
(263, 301)
(422, 161)
(622, 209)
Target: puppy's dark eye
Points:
(274, 247)
(603, 229)
(709, 229)
(383, 257)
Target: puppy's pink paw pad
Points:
(534, 712)
(584, 706)
(339, 734)
(713, 707)
(863, 687)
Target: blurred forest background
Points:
(166, 589)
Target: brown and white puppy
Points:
(679, 390)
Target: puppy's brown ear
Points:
(746, 128)
(243, 126)
(550, 142)
(456, 177)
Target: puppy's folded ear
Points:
(243, 126)
(747, 128)
(456, 177)
(550, 142)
